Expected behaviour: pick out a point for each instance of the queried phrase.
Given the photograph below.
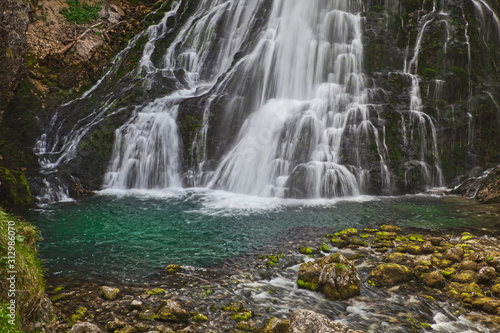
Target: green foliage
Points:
(5, 326)
(81, 12)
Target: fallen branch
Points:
(70, 45)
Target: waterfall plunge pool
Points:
(131, 235)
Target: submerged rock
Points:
(276, 325)
(306, 321)
(333, 275)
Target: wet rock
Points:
(400, 258)
(85, 328)
(189, 329)
(146, 315)
(448, 272)
(467, 265)
(495, 290)
(390, 228)
(465, 277)
(142, 327)
(305, 321)
(200, 317)
(276, 325)
(127, 329)
(389, 275)
(434, 279)
(170, 310)
(136, 305)
(486, 274)
(459, 291)
(455, 254)
(495, 263)
(115, 325)
(333, 275)
(489, 190)
(171, 269)
(242, 316)
(109, 293)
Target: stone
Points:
(333, 275)
(434, 279)
(85, 48)
(109, 293)
(495, 290)
(127, 329)
(171, 269)
(486, 274)
(136, 305)
(148, 315)
(306, 321)
(170, 310)
(399, 258)
(115, 325)
(465, 277)
(455, 254)
(390, 228)
(389, 275)
(467, 265)
(276, 325)
(85, 328)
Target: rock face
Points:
(14, 15)
(306, 321)
(333, 275)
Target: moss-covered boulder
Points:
(276, 325)
(467, 265)
(171, 311)
(495, 290)
(389, 275)
(455, 254)
(465, 277)
(109, 293)
(486, 274)
(171, 269)
(390, 228)
(434, 279)
(334, 275)
(14, 188)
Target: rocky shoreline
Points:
(409, 279)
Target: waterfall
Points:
(421, 127)
(276, 98)
(313, 102)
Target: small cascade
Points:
(144, 152)
(311, 132)
(421, 130)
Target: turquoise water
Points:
(131, 235)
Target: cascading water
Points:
(313, 102)
(422, 127)
(280, 85)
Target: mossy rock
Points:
(58, 297)
(109, 293)
(340, 243)
(276, 325)
(448, 272)
(80, 315)
(234, 307)
(324, 247)
(390, 228)
(390, 274)
(200, 317)
(306, 250)
(171, 311)
(171, 269)
(14, 188)
(348, 232)
(384, 236)
(370, 231)
(273, 258)
(465, 277)
(434, 279)
(333, 275)
(156, 291)
(495, 290)
(242, 316)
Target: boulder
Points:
(109, 293)
(333, 275)
(276, 325)
(85, 328)
(305, 321)
(495, 290)
(389, 275)
(454, 254)
(467, 265)
(486, 274)
(170, 310)
(434, 279)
